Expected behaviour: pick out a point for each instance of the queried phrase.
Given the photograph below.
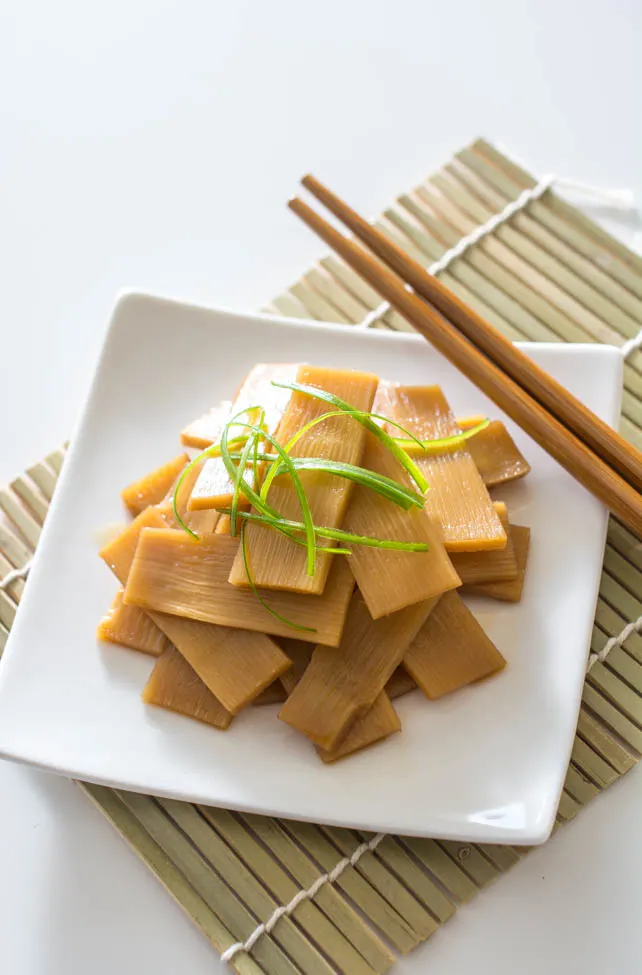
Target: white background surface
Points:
(152, 143)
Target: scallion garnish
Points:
(445, 444)
(264, 603)
(398, 452)
(252, 496)
(335, 533)
(250, 446)
(279, 525)
(296, 481)
(386, 486)
(356, 414)
(255, 459)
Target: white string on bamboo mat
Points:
(631, 345)
(14, 575)
(619, 199)
(325, 878)
(614, 641)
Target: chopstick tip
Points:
(298, 206)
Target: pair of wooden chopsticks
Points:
(593, 453)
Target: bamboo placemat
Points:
(547, 274)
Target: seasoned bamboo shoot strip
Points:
(300, 654)
(510, 590)
(119, 553)
(173, 573)
(376, 724)
(491, 565)
(152, 488)
(494, 451)
(257, 390)
(203, 645)
(223, 525)
(235, 665)
(457, 498)
(400, 683)
(276, 561)
(340, 685)
(208, 649)
(214, 489)
(207, 429)
(274, 694)
(451, 650)
(130, 627)
(174, 685)
(390, 580)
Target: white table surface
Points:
(152, 143)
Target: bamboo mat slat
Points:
(44, 478)
(446, 870)
(23, 520)
(480, 870)
(503, 857)
(548, 274)
(415, 879)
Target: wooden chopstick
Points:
(602, 440)
(578, 459)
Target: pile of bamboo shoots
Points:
(313, 555)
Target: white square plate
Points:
(487, 763)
